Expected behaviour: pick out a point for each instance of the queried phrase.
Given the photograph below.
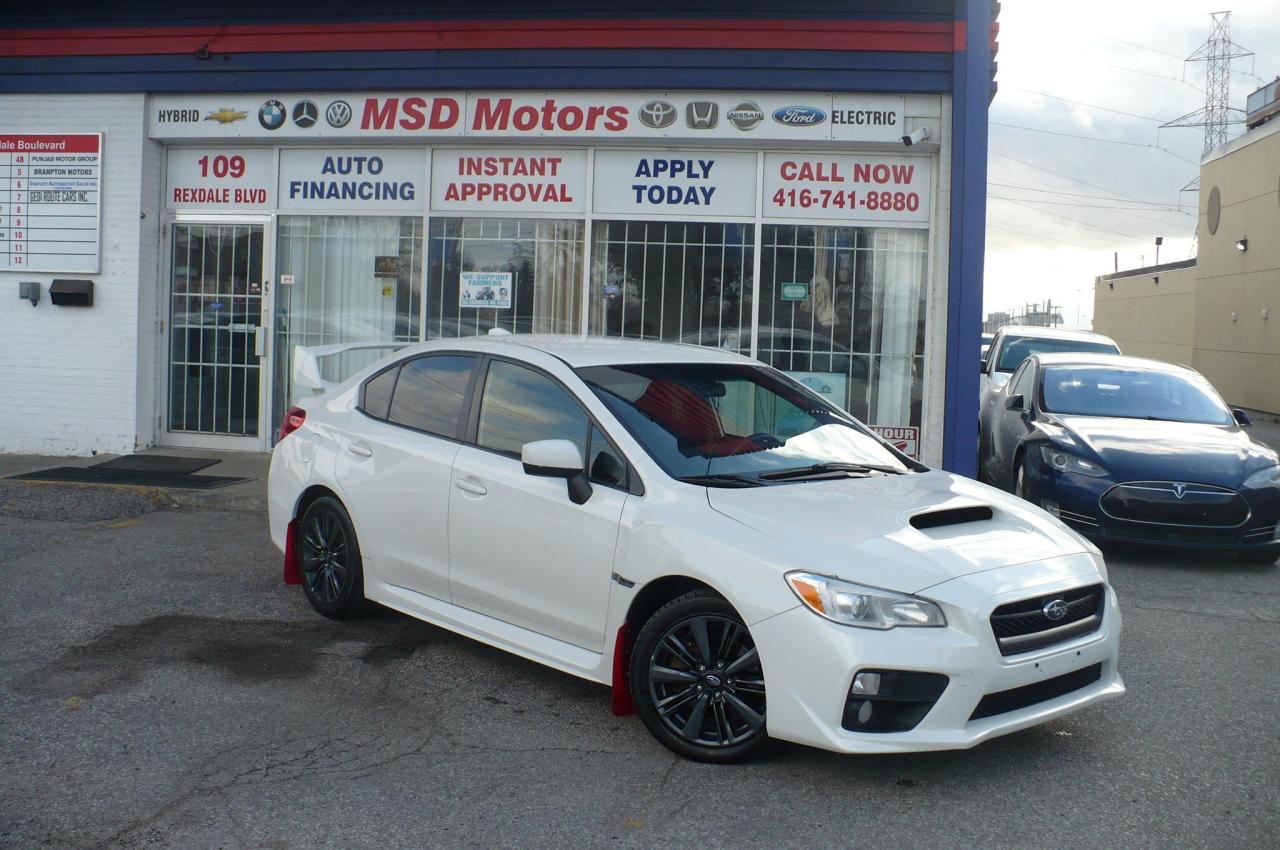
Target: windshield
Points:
(1132, 394)
(1019, 348)
(736, 421)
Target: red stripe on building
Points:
(881, 36)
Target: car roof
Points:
(1054, 333)
(578, 350)
(1088, 358)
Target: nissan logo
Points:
(657, 114)
(799, 116)
(1054, 609)
(745, 115)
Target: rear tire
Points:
(329, 560)
(697, 680)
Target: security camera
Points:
(916, 136)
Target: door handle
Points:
(360, 449)
(259, 341)
(470, 485)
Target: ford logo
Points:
(799, 116)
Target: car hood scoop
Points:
(903, 532)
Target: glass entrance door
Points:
(215, 343)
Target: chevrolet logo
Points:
(226, 115)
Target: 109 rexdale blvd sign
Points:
(785, 117)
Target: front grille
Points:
(1259, 535)
(1074, 519)
(1023, 626)
(1172, 503)
(1003, 702)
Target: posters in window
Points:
(905, 439)
(833, 386)
(485, 289)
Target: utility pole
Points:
(1216, 114)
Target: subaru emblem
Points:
(305, 114)
(272, 114)
(338, 114)
(745, 115)
(657, 114)
(702, 115)
(1054, 609)
(799, 116)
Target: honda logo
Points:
(702, 115)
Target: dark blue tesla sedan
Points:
(1126, 449)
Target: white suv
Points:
(696, 530)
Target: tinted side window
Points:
(1022, 383)
(430, 393)
(604, 465)
(520, 406)
(377, 393)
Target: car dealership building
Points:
(183, 200)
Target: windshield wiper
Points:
(722, 479)
(829, 468)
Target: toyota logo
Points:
(305, 114)
(1054, 609)
(657, 114)
(338, 114)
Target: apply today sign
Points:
(681, 184)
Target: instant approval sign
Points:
(509, 180)
(346, 179)
(712, 183)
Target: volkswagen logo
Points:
(657, 114)
(745, 115)
(1054, 609)
(1179, 490)
(799, 116)
(272, 114)
(305, 113)
(702, 115)
(338, 114)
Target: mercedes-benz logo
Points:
(338, 114)
(305, 113)
(272, 114)
(657, 114)
(1054, 609)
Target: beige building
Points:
(1219, 313)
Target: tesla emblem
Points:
(1179, 490)
(1055, 609)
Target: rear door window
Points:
(430, 394)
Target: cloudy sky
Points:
(1061, 199)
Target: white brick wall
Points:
(76, 381)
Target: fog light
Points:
(866, 684)
(1050, 507)
(864, 711)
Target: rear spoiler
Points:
(306, 361)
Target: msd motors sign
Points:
(558, 115)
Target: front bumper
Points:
(810, 662)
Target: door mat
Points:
(98, 475)
(157, 463)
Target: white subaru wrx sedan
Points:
(735, 556)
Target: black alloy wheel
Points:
(329, 557)
(697, 680)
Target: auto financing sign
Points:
(796, 117)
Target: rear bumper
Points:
(810, 663)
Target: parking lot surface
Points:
(160, 687)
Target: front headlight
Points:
(1067, 462)
(865, 607)
(1269, 477)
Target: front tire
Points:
(330, 562)
(697, 680)
(1020, 480)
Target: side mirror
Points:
(1015, 402)
(982, 366)
(557, 459)
(1242, 418)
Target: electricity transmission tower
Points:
(1217, 54)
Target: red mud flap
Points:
(292, 575)
(621, 701)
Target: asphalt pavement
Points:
(160, 687)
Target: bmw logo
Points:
(272, 114)
(305, 113)
(338, 114)
(745, 115)
(657, 114)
